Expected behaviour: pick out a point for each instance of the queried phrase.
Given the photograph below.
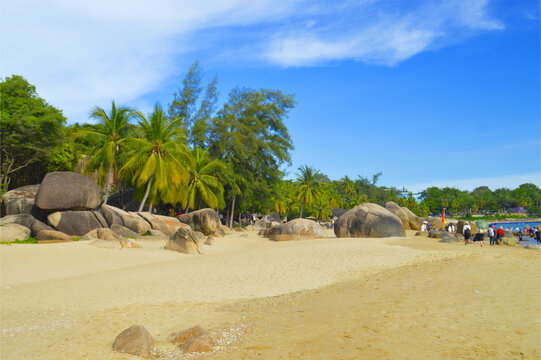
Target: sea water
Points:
(521, 225)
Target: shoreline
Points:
(167, 291)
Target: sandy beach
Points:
(393, 298)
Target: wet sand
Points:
(410, 298)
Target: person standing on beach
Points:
(466, 231)
(491, 235)
(500, 235)
(538, 236)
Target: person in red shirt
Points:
(500, 235)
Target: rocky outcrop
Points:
(415, 222)
(111, 215)
(369, 220)
(74, 223)
(166, 224)
(19, 201)
(25, 220)
(65, 190)
(398, 211)
(129, 219)
(124, 231)
(185, 241)
(435, 222)
(135, 340)
(13, 232)
(205, 220)
(38, 226)
(298, 229)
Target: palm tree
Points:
(157, 159)
(111, 132)
(348, 188)
(203, 184)
(309, 180)
(279, 198)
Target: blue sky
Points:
(442, 93)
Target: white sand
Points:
(56, 294)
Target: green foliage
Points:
(30, 240)
(482, 199)
(106, 159)
(196, 122)
(309, 180)
(31, 134)
(203, 185)
(249, 136)
(158, 159)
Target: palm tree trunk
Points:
(302, 208)
(146, 194)
(187, 209)
(232, 211)
(240, 218)
(150, 206)
(107, 183)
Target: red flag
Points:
(443, 216)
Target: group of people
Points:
(496, 236)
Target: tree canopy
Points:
(32, 135)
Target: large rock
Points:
(14, 232)
(110, 215)
(52, 235)
(65, 190)
(460, 227)
(135, 340)
(415, 222)
(124, 231)
(107, 238)
(369, 220)
(398, 211)
(38, 226)
(166, 224)
(129, 219)
(205, 220)
(74, 223)
(25, 220)
(19, 201)
(435, 222)
(297, 229)
(185, 241)
(182, 336)
(199, 344)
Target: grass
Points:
(30, 240)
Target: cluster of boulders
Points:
(68, 205)
(137, 340)
(298, 229)
(369, 221)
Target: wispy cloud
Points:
(374, 32)
(83, 53)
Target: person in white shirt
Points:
(423, 227)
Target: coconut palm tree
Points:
(157, 159)
(110, 133)
(203, 185)
(309, 180)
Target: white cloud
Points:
(373, 33)
(85, 53)
(509, 181)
